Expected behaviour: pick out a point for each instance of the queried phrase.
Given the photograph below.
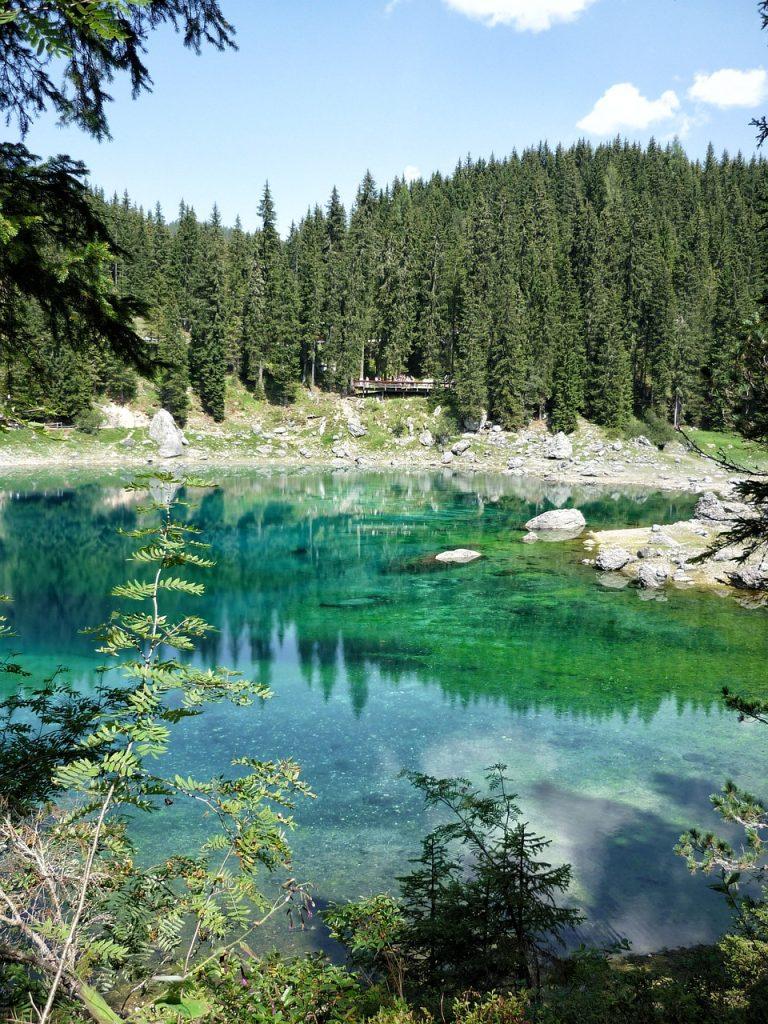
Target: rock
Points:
(617, 446)
(342, 451)
(681, 577)
(591, 469)
(164, 432)
(559, 447)
(461, 446)
(447, 458)
(641, 441)
(750, 577)
(674, 448)
(305, 453)
(279, 430)
(128, 442)
(426, 439)
(613, 559)
(530, 538)
(356, 428)
(122, 417)
(475, 424)
(559, 519)
(651, 577)
(515, 463)
(710, 507)
(460, 556)
(612, 580)
(496, 428)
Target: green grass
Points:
(734, 447)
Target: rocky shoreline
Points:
(693, 553)
(348, 436)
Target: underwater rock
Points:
(460, 556)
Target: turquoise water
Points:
(603, 705)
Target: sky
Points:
(321, 90)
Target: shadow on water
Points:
(605, 708)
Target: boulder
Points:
(710, 507)
(426, 439)
(641, 441)
(567, 520)
(674, 448)
(460, 556)
(356, 428)
(617, 446)
(166, 435)
(461, 446)
(652, 576)
(515, 463)
(530, 538)
(447, 458)
(613, 559)
(750, 577)
(559, 447)
(121, 416)
(474, 424)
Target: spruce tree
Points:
(279, 326)
(508, 374)
(208, 335)
(173, 376)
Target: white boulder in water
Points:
(460, 556)
(565, 520)
(613, 559)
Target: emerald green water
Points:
(604, 706)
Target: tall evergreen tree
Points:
(208, 341)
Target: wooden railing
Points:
(397, 386)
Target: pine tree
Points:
(507, 378)
(568, 368)
(208, 341)
(279, 326)
(173, 376)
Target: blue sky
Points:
(320, 90)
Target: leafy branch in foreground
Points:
(60, 54)
(741, 869)
(75, 906)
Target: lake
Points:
(604, 705)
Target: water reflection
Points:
(605, 708)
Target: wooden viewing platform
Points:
(397, 386)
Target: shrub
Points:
(88, 421)
(492, 1008)
(288, 990)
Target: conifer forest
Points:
(597, 281)
(383, 587)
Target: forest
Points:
(608, 282)
(612, 281)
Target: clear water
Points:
(604, 706)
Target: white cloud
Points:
(731, 88)
(524, 15)
(411, 173)
(624, 106)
